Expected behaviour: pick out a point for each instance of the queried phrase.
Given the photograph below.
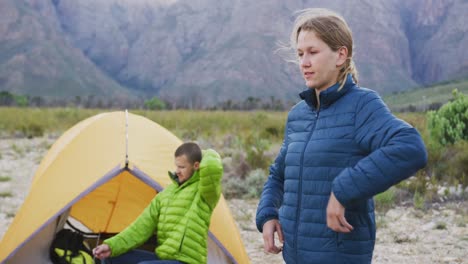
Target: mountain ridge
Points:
(205, 52)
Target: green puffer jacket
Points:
(179, 216)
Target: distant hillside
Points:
(425, 98)
(36, 59)
(201, 53)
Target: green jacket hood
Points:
(195, 177)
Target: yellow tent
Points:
(102, 173)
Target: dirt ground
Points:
(404, 235)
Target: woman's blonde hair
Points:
(332, 29)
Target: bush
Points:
(234, 187)
(450, 123)
(251, 187)
(32, 129)
(418, 201)
(255, 181)
(454, 168)
(386, 200)
(441, 225)
(21, 100)
(416, 184)
(255, 146)
(155, 104)
(5, 178)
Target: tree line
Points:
(9, 99)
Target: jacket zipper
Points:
(298, 210)
(183, 237)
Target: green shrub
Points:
(416, 184)
(32, 129)
(273, 131)
(5, 194)
(385, 200)
(21, 100)
(18, 150)
(447, 144)
(5, 178)
(450, 123)
(255, 181)
(155, 104)
(461, 220)
(441, 225)
(381, 221)
(234, 187)
(419, 201)
(255, 146)
(457, 164)
(250, 187)
(10, 215)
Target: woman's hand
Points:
(102, 251)
(335, 216)
(269, 229)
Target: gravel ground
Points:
(19, 159)
(405, 235)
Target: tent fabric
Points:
(104, 171)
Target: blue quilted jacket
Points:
(351, 146)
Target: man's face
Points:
(185, 169)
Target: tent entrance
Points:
(114, 205)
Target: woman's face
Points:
(319, 64)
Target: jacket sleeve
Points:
(396, 151)
(136, 233)
(272, 194)
(211, 172)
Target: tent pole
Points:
(126, 138)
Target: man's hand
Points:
(335, 216)
(269, 229)
(102, 251)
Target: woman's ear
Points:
(342, 56)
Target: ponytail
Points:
(348, 68)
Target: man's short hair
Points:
(191, 150)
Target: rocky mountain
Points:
(37, 59)
(438, 30)
(202, 52)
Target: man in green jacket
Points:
(179, 215)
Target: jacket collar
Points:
(195, 176)
(328, 96)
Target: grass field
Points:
(250, 139)
(184, 124)
(423, 98)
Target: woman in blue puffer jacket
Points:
(341, 147)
